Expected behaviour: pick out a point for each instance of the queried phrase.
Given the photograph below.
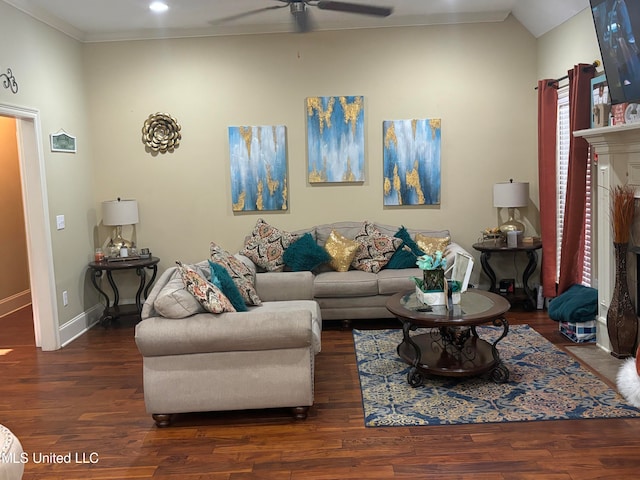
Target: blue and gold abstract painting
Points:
(411, 162)
(258, 158)
(335, 139)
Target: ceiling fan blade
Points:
(245, 14)
(354, 8)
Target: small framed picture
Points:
(600, 103)
(63, 142)
(617, 113)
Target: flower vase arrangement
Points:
(622, 324)
(432, 288)
(433, 267)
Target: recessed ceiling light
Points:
(158, 7)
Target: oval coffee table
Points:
(451, 346)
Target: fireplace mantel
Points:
(618, 163)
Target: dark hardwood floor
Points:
(87, 400)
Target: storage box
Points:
(579, 332)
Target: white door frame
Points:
(36, 214)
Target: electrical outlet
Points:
(65, 298)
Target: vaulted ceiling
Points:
(107, 20)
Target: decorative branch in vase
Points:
(622, 323)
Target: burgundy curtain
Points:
(572, 248)
(547, 173)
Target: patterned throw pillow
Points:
(402, 258)
(242, 276)
(305, 254)
(376, 249)
(430, 245)
(209, 296)
(221, 279)
(266, 245)
(342, 250)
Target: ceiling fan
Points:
(298, 9)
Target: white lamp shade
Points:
(120, 212)
(511, 194)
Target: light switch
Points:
(60, 222)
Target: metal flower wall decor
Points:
(161, 133)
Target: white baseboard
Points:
(15, 302)
(79, 325)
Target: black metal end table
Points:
(113, 311)
(488, 248)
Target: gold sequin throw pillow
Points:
(342, 250)
(431, 245)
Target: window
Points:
(562, 158)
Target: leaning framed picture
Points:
(63, 142)
(600, 102)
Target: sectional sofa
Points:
(264, 357)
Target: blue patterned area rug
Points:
(544, 383)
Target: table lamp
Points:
(118, 213)
(511, 195)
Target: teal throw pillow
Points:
(402, 258)
(305, 254)
(220, 278)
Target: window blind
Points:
(562, 157)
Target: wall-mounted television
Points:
(617, 25)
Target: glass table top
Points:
(471, 303)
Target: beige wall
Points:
(14, 275)
(47, 66)
(478, 79)
(571, 43)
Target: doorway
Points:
(38, 235)
(14, 275)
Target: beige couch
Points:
(356, 294)
(263, 358)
